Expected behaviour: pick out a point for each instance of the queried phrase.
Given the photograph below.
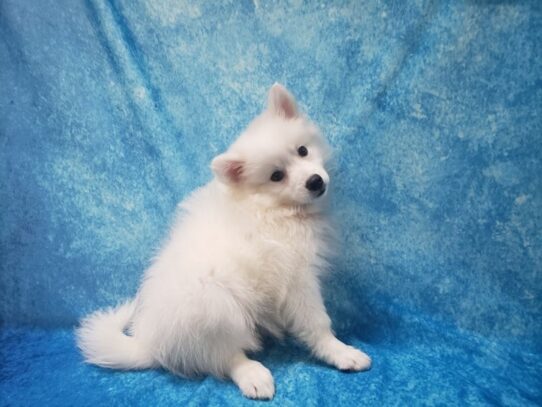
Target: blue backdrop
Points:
(111, 110)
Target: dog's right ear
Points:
(228, 168)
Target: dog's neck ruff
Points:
(262, 206)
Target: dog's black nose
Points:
(315, 183)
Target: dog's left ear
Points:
(228, 168)
(281, 102)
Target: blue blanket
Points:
(111, 110)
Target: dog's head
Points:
(279, 158)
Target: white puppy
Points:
(244, 258)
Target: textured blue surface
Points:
(110, 112)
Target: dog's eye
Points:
(277, 176)
(302, 151)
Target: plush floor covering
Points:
(419, 362)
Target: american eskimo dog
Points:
(243, 259)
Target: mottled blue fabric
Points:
(111, 110)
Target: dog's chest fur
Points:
(286, 252)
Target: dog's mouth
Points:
(321, 192)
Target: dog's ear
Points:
(228, 168)
(281, 102)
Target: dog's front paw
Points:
(254, 380)
(342, 356)
(350, 358)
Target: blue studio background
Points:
(111, 110)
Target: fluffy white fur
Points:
(243, 258)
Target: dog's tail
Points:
(103, 342)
